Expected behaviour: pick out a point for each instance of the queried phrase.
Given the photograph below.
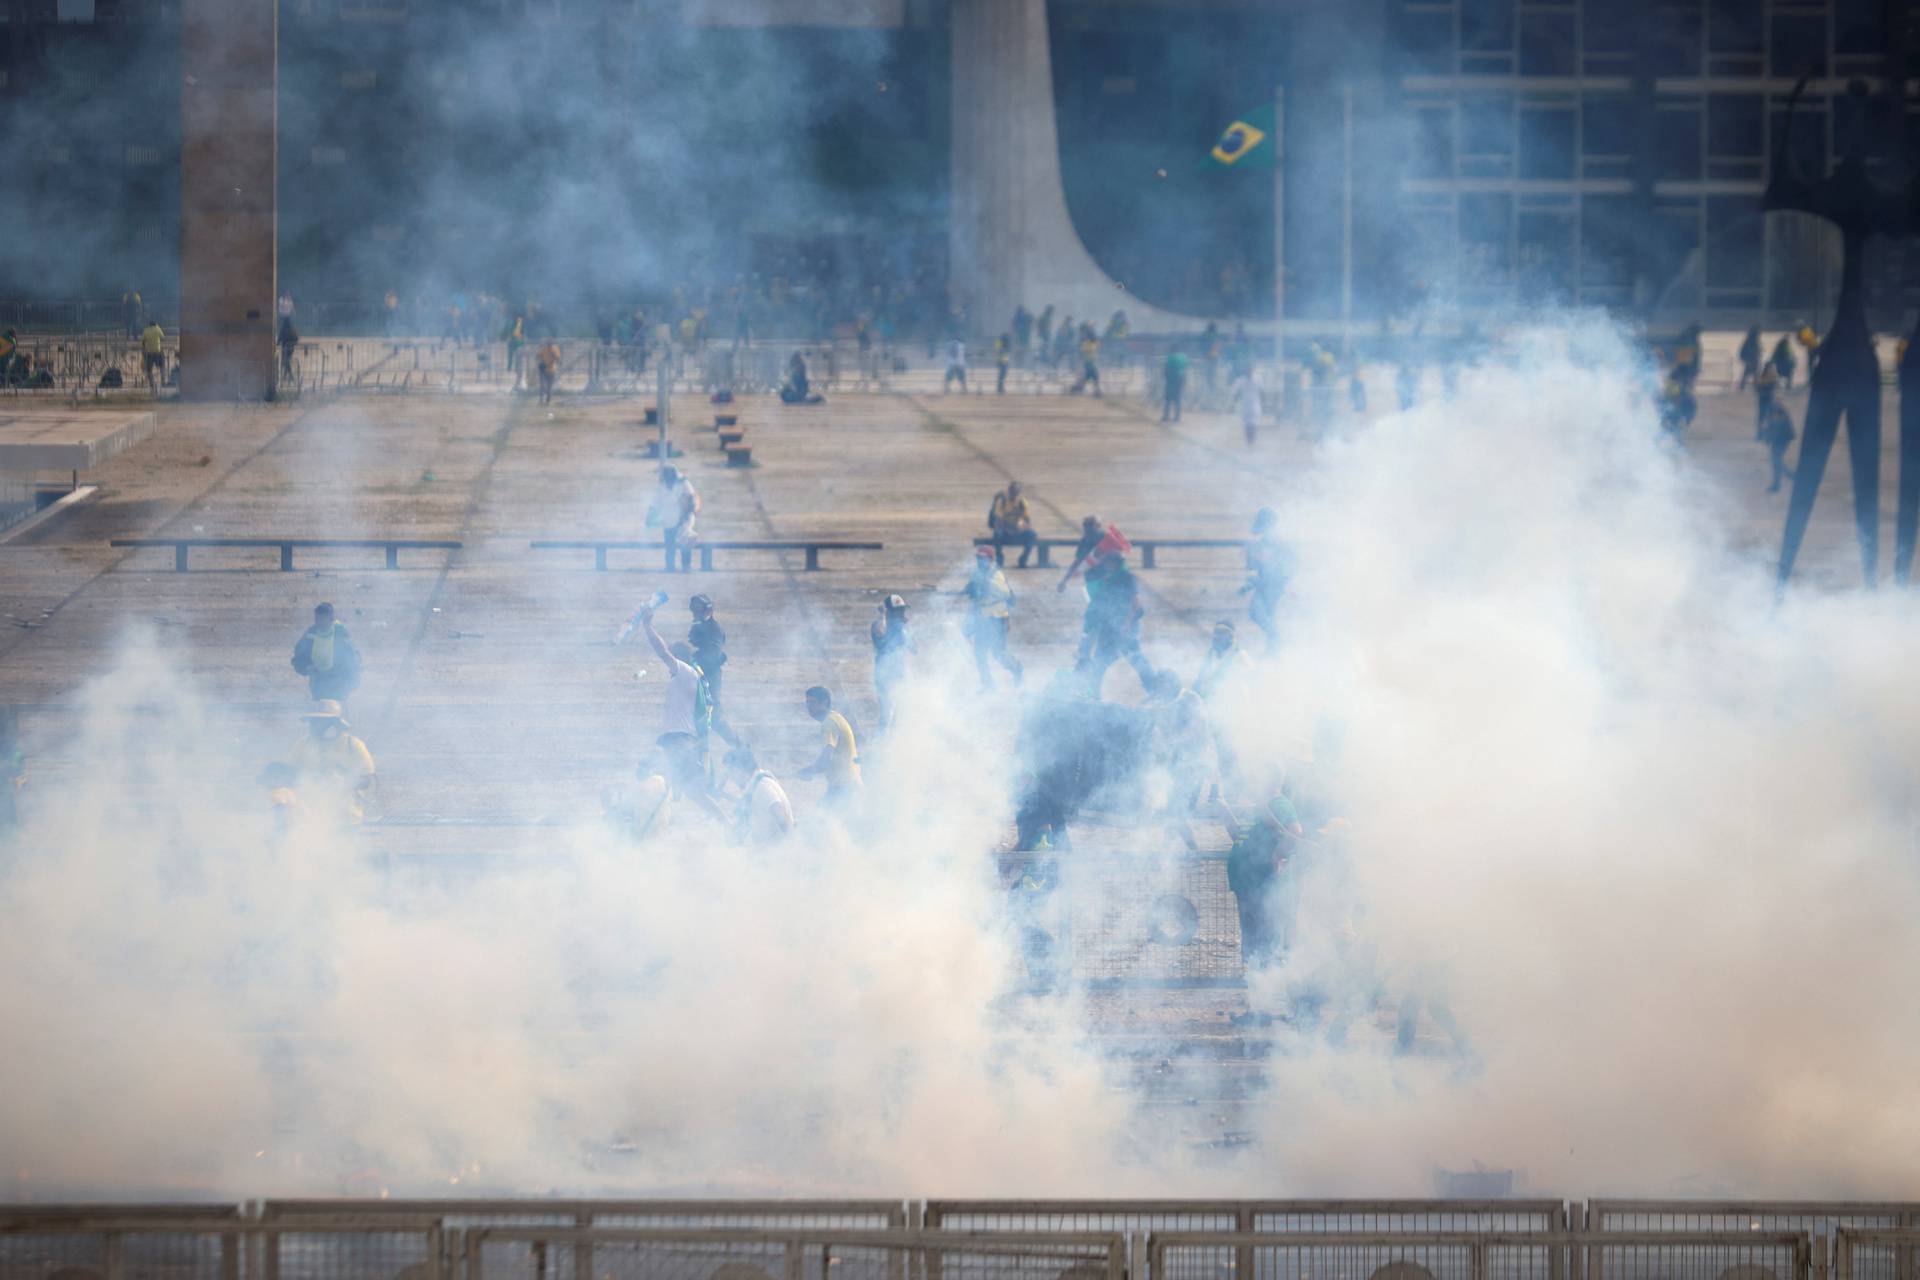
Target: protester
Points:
(289, 338)
(1270, 565)
(1223, 669)
(708, 640)
(549, 362)
(892, 641)
(153, 355)
(763, 815)
(1010, 522)
(1002, 358)
(1091, 534)
(330, 760)
(1262, 850)
(1110, 629)
(1783, 361)
(326, 656)
(956, 366)
(1749, 358)
(686, 716)
(839, 758)
(1246, 398)
(674, 511)
(797, 388)
(1089, 361)
(516, 347)
(989, 616)
(1778, 433)
(1766, 390)
(131, 311)
(1173, 384)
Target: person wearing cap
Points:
(325, 655)
(675, 506)
(1269, 567)
(989, 616)
(1110, 629)
(839, 757)
(1091, 532)
(764, 814)
(331, 759)
(1010, 520)
(708, 640)
(892, 641)
(686, 716)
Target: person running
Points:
(764, 814)
(892, 641)
(1010, 522)
(839, 758)
(1270, 566)
(549, 362)
(1002, 360)
(989, 617)
(674, 511)
(1749, 358)
(1173, 384)
(1783, 361)
(331, 760)
(1110, 629)
(153, 355)
(1778, 433)
(326, 656)
(1246, 399)
(956, 366)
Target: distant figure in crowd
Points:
(390, 313)
(549, 362)
(686, 715)
(674, 511)
(1778, 433)
(1022, 330)
(516, 348)
(708, 639)
(1002, 361)
(956, 366)
(1406, 385)
(1089, 361)
(1173, 384)
(325, 655)
(131, 312)
(286, 305)
(1686, 357)
(331, 760)
(1010, 521)
(1210, 353)
(989, 616)
(1677, 405)
(289, 339)
(1270, 566)
(1321, 368)
(839, 758)
(1246, 399)
(153, 355)
(1766, 390)
(892, 641)
(764, 814)
(1783, 361)
(1091, 533)
(1749, 358)
(1260, 856)
(1043, 331)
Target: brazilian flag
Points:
(1247, 143)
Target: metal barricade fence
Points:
(1466, 1256)
(167, 1246)
(1875, 1254)
(519, 1253)
(1820, 1219)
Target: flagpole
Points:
(1346, 220)
(1279, 219)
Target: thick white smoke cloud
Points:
(1639, 843)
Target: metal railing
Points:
(1875, 1254)
(136, 1245)
(1469, 1256)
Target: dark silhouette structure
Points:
(1845, 380)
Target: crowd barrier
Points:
(534, 1239)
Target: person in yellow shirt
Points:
(1010, 521)
(153, 354)
(990, 616)
(549, 361)
(331, 760)
(839, 757)
(1089, 361)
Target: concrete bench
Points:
(731, 436)
(181, 546)
(739, 455)
(1145, 546)
(812, 547)
(726, 419)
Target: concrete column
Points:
(228, 153)
(1012, 240)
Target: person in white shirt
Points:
(1246, 398)
(675, 505)
(684, 718)
(956, 366)
(765, 815)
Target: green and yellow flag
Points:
(1247, 143)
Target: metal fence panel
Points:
(1480, 1256)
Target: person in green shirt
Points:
(1173, 384)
